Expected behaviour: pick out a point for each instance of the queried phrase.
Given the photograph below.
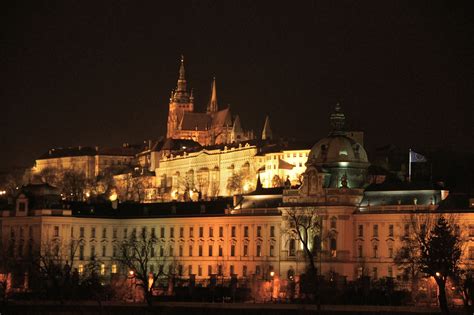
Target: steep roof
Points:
(195, 121)
(221, 118)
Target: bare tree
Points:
(235, 183)
(136, 254)
(305, 226)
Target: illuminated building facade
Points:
(86, 160)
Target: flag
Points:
(416, 157)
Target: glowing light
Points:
(174, 194)
(437, 274)
(88, 194)
(246, 187)
(344, 163)
(113, 196)
(2, 192)
(131, 273)
(272, 274)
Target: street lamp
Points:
(272, 274)
(131, 274)
(438, 274)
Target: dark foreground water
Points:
(210, 309)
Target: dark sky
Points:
(100, 72)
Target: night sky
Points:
(100, 72)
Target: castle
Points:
(215, 126)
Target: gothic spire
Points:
(212, 106)
(237, 127)
(267, 130)
(181, 87)
(181, 94)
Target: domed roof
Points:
(337, 148)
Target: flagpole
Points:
(409, 165)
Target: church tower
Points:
(180, 101)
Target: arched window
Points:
(292, 248)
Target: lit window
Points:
(102, 269)
(114, 268)
(292, 248)
(81, 269)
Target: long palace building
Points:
(363, 220)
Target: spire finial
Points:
(181, 69)
(338, 119)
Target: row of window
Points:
(406, 230)
(375, 230)
(375, 251)
(375, 272)
(171, 232)
(161, 251)
(218, 270)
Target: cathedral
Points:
(215, 126)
